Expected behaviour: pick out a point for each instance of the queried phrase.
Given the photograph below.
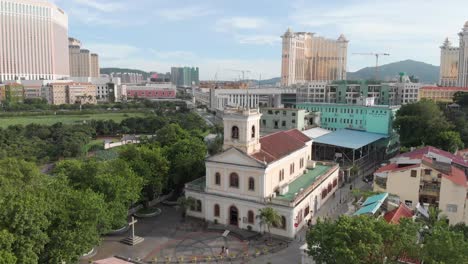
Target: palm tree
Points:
(269, 216)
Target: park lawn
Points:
(65, 119)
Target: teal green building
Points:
(374, 119)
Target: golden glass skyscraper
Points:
(306, 58)
(33, 40)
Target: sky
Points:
(222, 37)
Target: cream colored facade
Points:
(263, 181)
(33, 40)
(69, 93)
(306, 58)
(83, 63)
(463, 57)
(440, 94)
(428, 180)
(448, 64)
(454, 61)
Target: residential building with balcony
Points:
(255, 172)
(428, 176)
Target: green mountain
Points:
(426, 73)
(110, 70)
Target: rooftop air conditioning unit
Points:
(284, 189)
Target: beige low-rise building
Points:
(255, 172)
(69, 93)
(440, 94)
(428, 176)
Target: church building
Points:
(255, 172)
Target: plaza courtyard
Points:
(168, 238)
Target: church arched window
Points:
(235, 132)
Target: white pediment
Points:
(237, 157)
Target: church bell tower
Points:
(242, 129)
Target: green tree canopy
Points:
(24, 210)
(360, 239)
(114, 180)
(420, 124)
(170, 134)
(187, 158)
(149, 163)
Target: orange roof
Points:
(395, 167)
(280, 144)
(444, 88)
(393, 217)
(112, 260)
(457, 176)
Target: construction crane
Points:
(376, 60)
(240, 71)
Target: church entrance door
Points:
(233, 216)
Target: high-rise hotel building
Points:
(83, 63)
(454, 61)
(306, 57)
(33, 40)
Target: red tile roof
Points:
(298, 135)
(280, 144)
(419, 153)
(444, 88)
(393, 217)
(457, 176)
(394, 167)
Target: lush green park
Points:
(65, 119)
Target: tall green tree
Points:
(187, 158)
(442, 245)
(119, 185)
(24, 210)
(420, 124)
(75, 221)
(361, 239)
(148, 162)
(449, 141)
(170, 134)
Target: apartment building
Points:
(277, 119)
(428, 176)
(69, 93)
(454, 61)
(354, 92)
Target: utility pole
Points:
(376, 61)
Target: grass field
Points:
(65, 119)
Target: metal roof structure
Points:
(347, 138)
(372, 204)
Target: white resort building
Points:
(255, 172)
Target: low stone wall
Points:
(154, 202)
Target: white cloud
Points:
(113, 52)
(258, 39)
(184, 13)
(407, 29)
(102, 6)
(240, 23)
(176, 54)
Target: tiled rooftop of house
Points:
(305, 181)
(280, 144)
(419, 153)
(393, 217)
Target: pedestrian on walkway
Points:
(222, 251)
(227, 252)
